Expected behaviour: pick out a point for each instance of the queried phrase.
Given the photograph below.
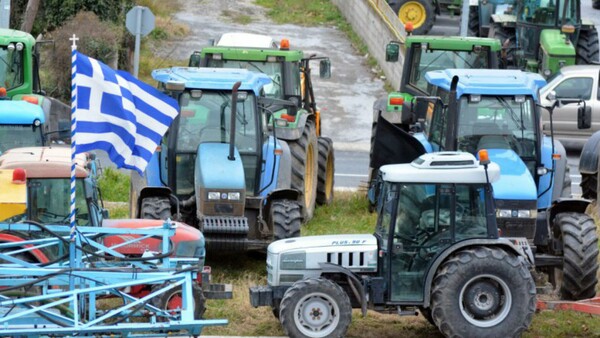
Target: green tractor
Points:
(424, 53)
(545, 35)
(300, 126)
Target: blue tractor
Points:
(20, 125)
(498, 110)
(220, 167)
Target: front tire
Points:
(315, 307)
(305, 168)
(326, 171)
(172, 300)
(580, 260)
(483, 291)
(587, 47)
(286, 219)
(158, 207)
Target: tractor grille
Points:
(225, 225)
(517, 227)
(347, 259)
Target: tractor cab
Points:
(21, 125)
(423, 213)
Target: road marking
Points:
(351, 175)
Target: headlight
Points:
(214, 195)
(524, 213)
(233, 196)
(520, 213)
(503, 213)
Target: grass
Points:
(114, 185)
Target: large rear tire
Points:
(172, 300)
(589, 186)
(483, 292)
(507, 41)
(473, 29)
(326, 171)
(580, 260)
(305, 168)
(157, 207)
(420, 12)
(286, 219)
(587, 47)
(315, 307)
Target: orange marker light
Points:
(285, 44)
(19, 176)
(2, 92)
(484, 157)
(409, 27)
(288, 118)
(278, 152)
(396, 101)
(31, 99)
(556, 157)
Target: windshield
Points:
(497, 122)
(272, 69)
(426, 60)
(49, 201)
(549, 12)
(11, 68)
(15, 136)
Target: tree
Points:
(30, 14)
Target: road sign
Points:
(139, 20)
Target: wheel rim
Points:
(174, 303)
(485, 300)
(329, 179)
(414, 12)
(316, 315)
(309, 175)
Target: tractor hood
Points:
(339, 242)
(515, 181)
(186, 242)
(215, 170)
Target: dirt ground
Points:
(345, 100)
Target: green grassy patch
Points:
(114, 185)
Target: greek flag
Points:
(119, 114)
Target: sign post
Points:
(139, 22)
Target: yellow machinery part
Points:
(13, 196)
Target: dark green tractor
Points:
(545, 35)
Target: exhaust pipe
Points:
(234, 95)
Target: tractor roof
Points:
(11, 35)
(240, 39)
(213, 78)
(488, 81)
(20, 112)
(45, 162)
(453, 42)
(442, 167)
(251, 53)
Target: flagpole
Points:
(72, 252)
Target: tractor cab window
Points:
(16, 136)
(11, 66)
(48, 201)
(425, 60)
(470, 212)
(272, 69)
(497, 122)
(549, 12)
(207, 119)
(436, 126)
(422, 229)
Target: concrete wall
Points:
(377, 24)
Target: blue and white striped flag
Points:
(119, 114)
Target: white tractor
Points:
(436, 248)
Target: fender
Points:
(352, 278)
(292, 134)
(284, 176)
(559, 170)
(36, 253)
(588, 161)
(151, 192)
(566, 205)
(502, 243)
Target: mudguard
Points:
(284, 168)
(292, 134)
(588, 160)
(352, 278)
(559, 170)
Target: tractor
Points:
(313, 161)
(480, 14)
(422, 54)
(37, 181)
(21, 125)
(20, 81)
(219, 167)
(544, 35)
(436, 248)
(498, 110)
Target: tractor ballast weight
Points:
(435, 248)
(219, 168)
(497, 110)
(299, 125)
(543, 36)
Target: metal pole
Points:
(72, 261)
(464, 18)
(138, 30)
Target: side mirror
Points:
(421, 107)
(392, 52)
(551, 96)
(325, 69)
(584, 117)
(195, 59)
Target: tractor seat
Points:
(486, 128)
(493, 142)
